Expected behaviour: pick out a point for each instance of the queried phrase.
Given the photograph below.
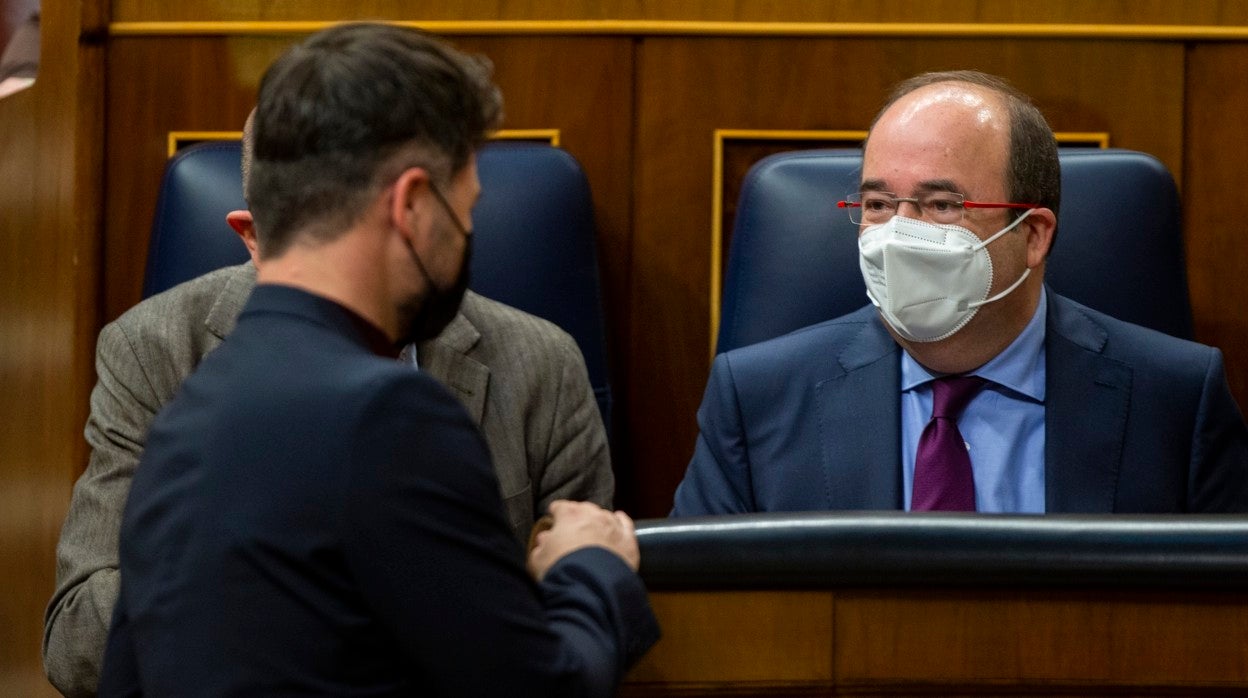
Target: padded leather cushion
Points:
(835, 549)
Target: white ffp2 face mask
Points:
(928, 280)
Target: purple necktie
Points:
(942, 468)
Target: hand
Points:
(576, 525)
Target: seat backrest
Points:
(534, 245)
(793, 258)
(189, 235)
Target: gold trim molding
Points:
(178, 140)
(1096, 139)
(717, 195)
(613, 27)
(549, 135)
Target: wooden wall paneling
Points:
(1213, 227)
(157, 85)
(1139, 102)
(687, 88)
(49, 231)
(1201, 12)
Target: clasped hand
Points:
(571, 526)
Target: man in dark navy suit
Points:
(967, 384)
(312, 517)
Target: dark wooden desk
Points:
(1177, 631)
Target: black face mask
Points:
(425, 320)
(439, 307)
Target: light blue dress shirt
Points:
(1003, 425)
(408, 356)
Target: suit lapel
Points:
(860, 430)
(230, 301)
(1086, 403)
(446, 359)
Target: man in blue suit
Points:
(1049, 406)
(310, 515)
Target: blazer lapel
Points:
(1086, 404)
(230, 301)
(860, 424)
(446, 359)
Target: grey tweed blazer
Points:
(521, 378)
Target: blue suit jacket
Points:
(1135, 421)
(312, 519)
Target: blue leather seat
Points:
(189, 236)
(534, 244)
(793, 258)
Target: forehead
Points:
(951, 132)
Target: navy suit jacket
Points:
(312, 519)
(1135, 421)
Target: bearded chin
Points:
(423, 319)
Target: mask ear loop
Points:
(963, 305)
(1026, 272)
(1003, 231)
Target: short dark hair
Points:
(345, 110)
(1034, 175)
(247, 152)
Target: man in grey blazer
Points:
(521, 378)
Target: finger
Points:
(540, 527)
(560, 505)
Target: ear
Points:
(245, 226)
(406, 201)
(1041, 224)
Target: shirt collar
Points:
(1019, 368)
(282, 298)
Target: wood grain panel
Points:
(49, 228)
(156, 86)
(1213, 225)
(774, 639)
(953, 642)
(689, 87)
(1029, 637)
(1213, 12)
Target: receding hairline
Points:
(997, 100)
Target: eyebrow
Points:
(925, 186)
(940, 185)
